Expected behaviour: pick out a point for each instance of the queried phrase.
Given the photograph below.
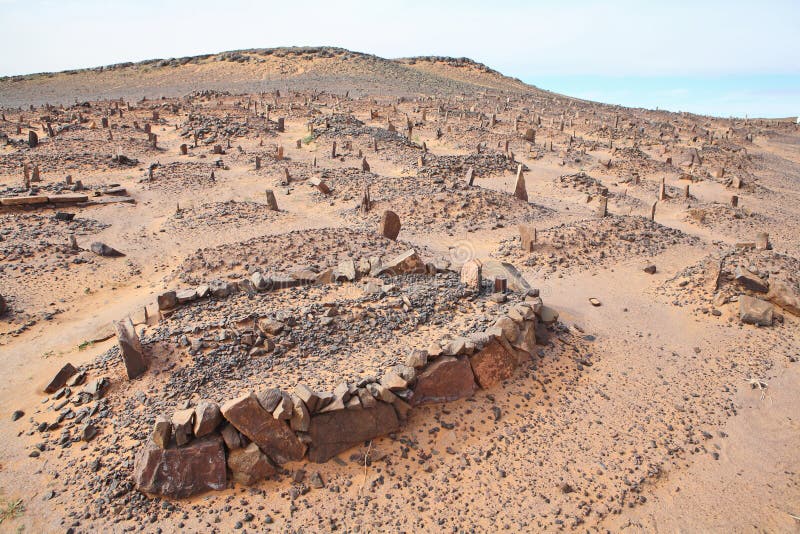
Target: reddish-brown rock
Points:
(274, 437)
(249, 465)
(390, 225)
(189, 470)
(447, 379)
(492, 364)
(337, 431)
(130, 348)
(60, 379)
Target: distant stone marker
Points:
(470, 177)
(272, 202)
(390, 225)
(527, 236)
(602, 207)
(520, 191)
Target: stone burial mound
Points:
(243, 377)
(749, 284)
(589, 242)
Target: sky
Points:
(732, 57)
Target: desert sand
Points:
(661, 397)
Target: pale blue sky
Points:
(720, 57)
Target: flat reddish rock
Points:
(181, 472)
(337, 431)
(445, 380)
(274, 437)
(21, 201)
(492, 365)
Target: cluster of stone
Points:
(350, 270)
(243, 440)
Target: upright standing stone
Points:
(470, 177)
(762, 241)
(272, 202)
(662, 191)
(527, 236)
(33, 139)
(653, 211)
(471, 274)
(281, 124)
(602, 206)
(390, 225)
(520, 191)
(734, 201)
(184, 149)
(366, 201)
(130, 348)
(364, 165)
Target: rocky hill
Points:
(246, 71)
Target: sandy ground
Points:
(663, 432)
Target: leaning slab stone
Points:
(58, 381)
(750, 281)
(101, 249)
(249, 465)
(335, 432)
(130, 348)
(447, 379)
(492, 269)
(274, 437)
(755, 311)
(492, 365)
(198, 467)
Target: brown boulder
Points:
(755, 311)
(130, 348)
(492, 365)
(249, 465)
(335, 432)
(783, 295)
(447, 379)
(274, 437)
(198, 467)
(390, 225)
